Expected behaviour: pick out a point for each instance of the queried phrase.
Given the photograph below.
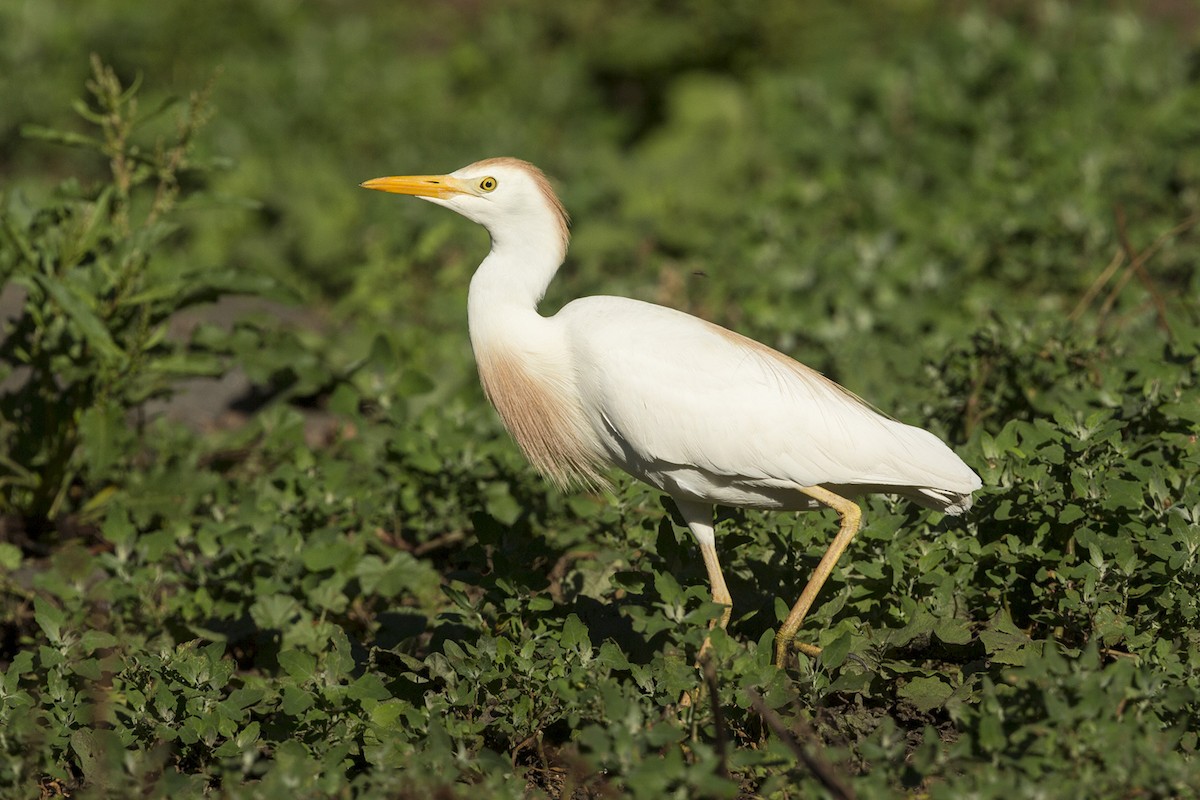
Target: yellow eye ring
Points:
(487, 184)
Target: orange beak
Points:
(438, 186)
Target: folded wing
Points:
(674, 389)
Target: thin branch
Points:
(972, 415)
(1108, 651)
(445, 540)
(1137, 264)
(810, 756)
(710, 677)
(1107, 306)
(1098, 284)
(1137, 267)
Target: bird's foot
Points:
(783, 652)
(689, 698)
(810, 650)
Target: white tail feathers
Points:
(953, 503)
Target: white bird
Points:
(705, 414)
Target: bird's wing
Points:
(678, 390)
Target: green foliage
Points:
(984, 223)
(89, 343)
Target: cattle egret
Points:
(705, 414)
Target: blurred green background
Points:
(769, 145)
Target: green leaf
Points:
(248, 736)
(22, 663)
(952, 631)
(833, 655)
(76, 307)
(240, 699)
(921, 624)
(388, 713)
(368, 687)
(926, 693)
(299, 665)
(69, 138)
(575, 633)
(1119, 493)
(100, 427)
(88, 668)
(10, 556)
(96, 640)
(501, 505)
(667, 587)
(1071, 513)
(50, 619)
(296, 700)
(330, 553)
(98, 751)
(1006, 644)
(344, 401)
(118, 529)
(338, 661)
(540, 603)
(274, 611)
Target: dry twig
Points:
(1137, 265)
(1136, 268)
(710, 677)
(809, 756)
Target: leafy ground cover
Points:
(985, 222)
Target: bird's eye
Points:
(487, 184)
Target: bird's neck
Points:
(525, 366)
(507, 286)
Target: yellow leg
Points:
(699, 519)
(700, 522)
(850, 515)
(720, 594)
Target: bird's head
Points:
(509, 197)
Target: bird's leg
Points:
(720, 594)
(850, 515)
(699, 519)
